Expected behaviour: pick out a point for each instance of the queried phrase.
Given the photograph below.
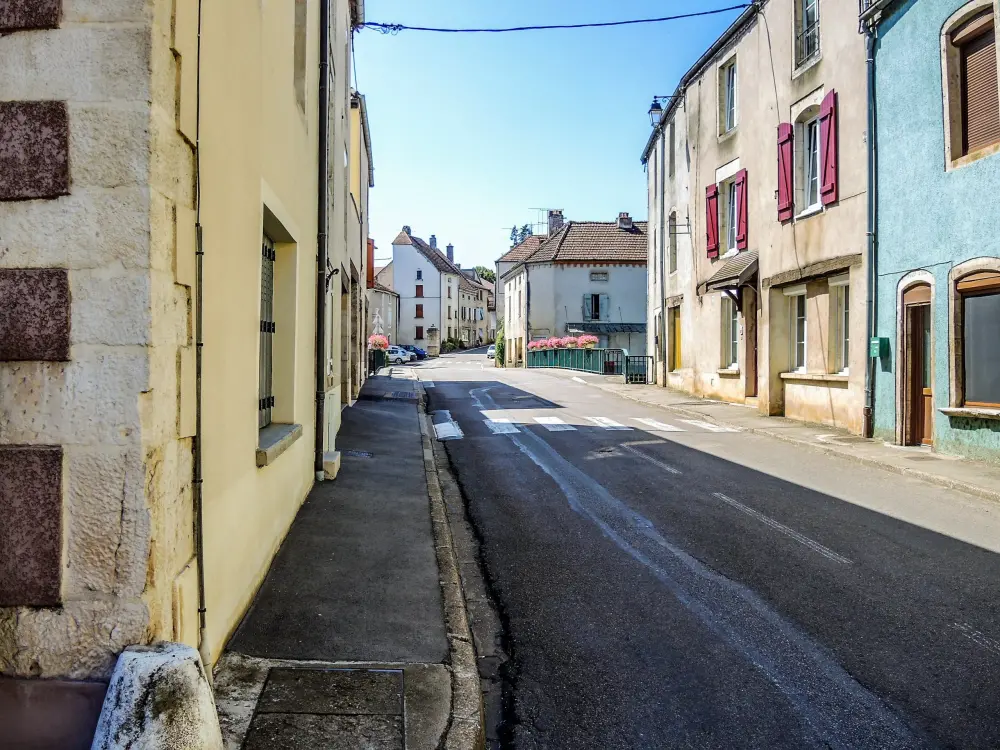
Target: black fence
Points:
(376, 360)
(638, 369)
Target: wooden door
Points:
(919, 375)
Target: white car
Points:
(398, 356)
(491, 351)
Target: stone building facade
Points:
(126, 149)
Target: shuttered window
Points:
(742, 210)
(419, 311)
(976, 42)
(712, 220)
(786, 161)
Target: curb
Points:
(951, 484)
(466, 725)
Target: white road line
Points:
(655, 461)
(709, 426)
(554, 424)
(657, 426)
(977, 637)
(501, 426)
(579, 380)
(607, 424)
(800, 538)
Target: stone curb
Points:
(951, 484)
(466, 726)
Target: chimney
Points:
(434, 242)
(406, 229)
(625, 221)
(555, 220)
(450, 251)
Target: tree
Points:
(486, 273)
(519, 235)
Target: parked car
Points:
(491, 351)
(421, 354)
(399, 356)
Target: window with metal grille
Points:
(265, 394)
(807, 30)
(976, 42)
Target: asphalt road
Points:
(697, 588)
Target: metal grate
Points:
(265, 396)
(807, 43)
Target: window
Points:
(810, 165)
(420, 291)
(449, 312)
(598, 275)
(980, 300)
(420, 333)
(730, 334)
(806, 30)
(797, 328)
(971, 87)
(672, 151)
(672, 240)
(727, 97)
(449, 291)
(299, 67)
(596, 307)
(840, 292)
(420, 274)
(419, 312)
(265, 394)
(729, 214)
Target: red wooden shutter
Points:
(742, 238)
(786, 162)
(828, 190)
(712, 220)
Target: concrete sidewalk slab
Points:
(353, 640)
(976, 478)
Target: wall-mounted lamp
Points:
(656, 109)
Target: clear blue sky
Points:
(472, 131)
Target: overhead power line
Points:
(395, 28)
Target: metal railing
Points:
(597, 361)
(638, 369)
(807, 43)
(265, 393)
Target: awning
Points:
(735, 272)
(605, 328)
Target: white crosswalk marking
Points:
(607, 424)
(554, 424)
(501, 426)
(658, 426)
(709, 426)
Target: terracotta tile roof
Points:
(521, 252)
(594, 241)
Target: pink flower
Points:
(587, 341)
(569, 342)
(378, 341)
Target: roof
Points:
(594, 242)
(734, 273)
(437, 259)
(376, 287)
(591, 327)
(520, 252)
(727, 36)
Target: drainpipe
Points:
(527, 313)
(869, 410)
(322, 192)
(661, 332)
(196, 444)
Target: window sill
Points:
(819, 377)
(729, 372)
(974, 157)
(811, 211)
(274, 440)
(730, 253)
(726, 135)
(974, 412)
(806, 65)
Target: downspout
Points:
(661, 332)
(527, 313)
(869, 410)
(197, 480)
(322, 192)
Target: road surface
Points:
(672, 583)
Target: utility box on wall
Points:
(878, 348)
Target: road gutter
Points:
(466, 725)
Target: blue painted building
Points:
(937, 307)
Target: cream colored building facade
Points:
(771, 174)
(137, 158)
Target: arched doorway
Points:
(918, 366)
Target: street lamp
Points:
(655, 112)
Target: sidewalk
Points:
(354, 639)
(974, 477)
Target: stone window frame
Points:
(729, 334)
(672, 249)
(840, 300)
(907, 282)
(951, 86)
(729, 61)
(956, 350)
(802, 113)
(792, 295)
